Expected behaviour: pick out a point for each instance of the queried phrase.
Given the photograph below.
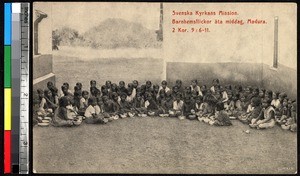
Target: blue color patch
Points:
(7, 24)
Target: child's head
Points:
(92, 101)
(203, 88)
(164, 84)
(50, 84)
(93, 83)
(148, 84)
(175, 89)
(104, 89)
(123, 96)
(148, 96)
(178, 83)
(105, 99)
(114, 96)
(242, 97)
(77, 88)
(169, 95)
(268, 94)
(187, 99)
(266, 102)
(114, 87)
(48, 93)
(66, 84)
(261, 93)
(64, 89)
(188, 89)
(85, 94)
(229, 94)
(256, 101)
(79, 85)
(282, 96)
(285, 102)
(64, 102)
(78, 94)
(162, 93)
(108, 84)
(275, 95)
(135, 83)
(139, 97)
(130, 86)
(255, 91)
(235, 96)
(129, 91)
(156, 88)
(121, 84)
(217, 95)
(194, 82)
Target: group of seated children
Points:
(217, 105)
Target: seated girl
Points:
(92, 113)
(221, 116)
(63, 116)
(247, 117)
(43, 109)
(188, 109)
(266, 119)
(125, 107)
(207, 115)
(152, 107)
(276, 102)
(291, 122)
(139, 105)
(108, 109)
(176, 111)
(161, 101)
(282, 113)
(51, 101)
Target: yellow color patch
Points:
(7, 108)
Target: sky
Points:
(82, 16)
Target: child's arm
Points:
(259, 116)
(272, 115)
(42, 104)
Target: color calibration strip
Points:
(16, 88)
(7, 88)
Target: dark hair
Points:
(79, 84)
(85, 92)
(78, 93)
(122, 82)
(267, 100)
(64, 101)
(164, 82)
(50, 84)
(66, 84)
(92, 100)
(92, 82)
(64, 87)
(178, 81)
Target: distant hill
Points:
(111, 33)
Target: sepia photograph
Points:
(164, 88)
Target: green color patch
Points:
(7, 66)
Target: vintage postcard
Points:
(165, 88)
